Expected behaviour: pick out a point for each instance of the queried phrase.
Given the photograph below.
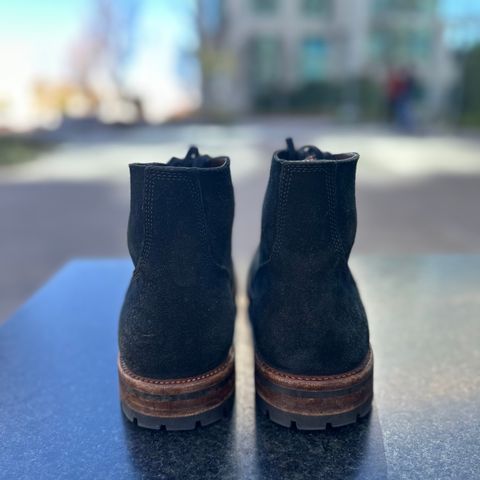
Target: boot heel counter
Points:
(179, 299)
(305, 306)
(303, 323)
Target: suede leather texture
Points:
(305, 308)
(178, 316)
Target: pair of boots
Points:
(313, 362)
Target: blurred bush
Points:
(363, 97)
(469, 88)
(17, 149)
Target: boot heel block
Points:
(314, 402)
(178, 404)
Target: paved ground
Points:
(415, 194)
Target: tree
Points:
(469, 83)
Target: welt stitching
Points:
(219, 369)
(351, 373)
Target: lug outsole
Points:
(178, 403)
(191, 422)
(307, 422)
(310, 402)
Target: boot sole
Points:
(181, 403)
(314, 402)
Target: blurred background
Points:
(88, 86)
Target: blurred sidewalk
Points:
(415, 194)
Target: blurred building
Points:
(250, 48)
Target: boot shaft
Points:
(178, 314)
(305, 309)
(181, 208)
(309, 210)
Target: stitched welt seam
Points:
(264, 366)
(174, 382)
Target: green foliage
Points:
(367, 96)
(17, 149)
(314, 96)
(326, 97)
(470, 88)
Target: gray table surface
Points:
(60, 414)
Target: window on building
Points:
(420, 44)
(388, 45)
(420, 6)
(400, 45)
(384, 43)
(313, 58)
(265, 61)
(265, 6)
(317, 7)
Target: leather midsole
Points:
(315, 395)
(177, 397)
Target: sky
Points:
(468, 13)
(39, 30)
(37, 37)
(459, 8)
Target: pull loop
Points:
(192, 153)
(292, 152)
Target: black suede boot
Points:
(176, 362)
(314, 365)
